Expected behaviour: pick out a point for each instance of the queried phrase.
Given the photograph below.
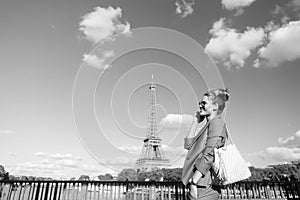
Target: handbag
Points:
(229, 165)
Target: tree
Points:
(4, 175)
(108, 176)
(2, 172)
(24, 178)
(172, 174)
(12, 177)
(31, 178)
(155, 175)
(84, 178)
(128, 174)
(105, 177)
(101, 177)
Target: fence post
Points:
(142, 191)
(83, 191)
(183, 191)
(152, 191)
(64, 190)
(176, 192)
(169, 192)
(5, 191)
(267, 191)
(161, 189)
(297, 184)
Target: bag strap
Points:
(228, 138)
(200, 133)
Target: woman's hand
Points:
(196, 177)
(193, 187)
(193, 191)
(199, 117)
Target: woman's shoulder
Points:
(216, 125)
(218, 120)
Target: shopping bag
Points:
(229, 165)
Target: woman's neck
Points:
(211, 116)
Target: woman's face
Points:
(206, 106)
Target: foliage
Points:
(84, 178)
(105, 177)
(3, 174)
(155, 175)
(172, 174)
(2, 171)
(281, 172)
(127, 174)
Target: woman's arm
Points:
(193, 128)
(204, 163)
(191, 135)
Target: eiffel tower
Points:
(152, 156)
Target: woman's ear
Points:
(215, 106)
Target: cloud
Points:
(133, 149)
(280, 154)
(271, 26)
(295, 4)
(175, 154)
(173, 151)
(45, 161)
(231, 47)
(59, 169)
(249, 164)
(102, 23)
(12, 153)
(291, 141)
(78, 158)
(98, 62)
(67, 163)
(285, 140)
(41, 154)
(7, 132)
(175, 121)
(121, 161)
(36, 169)
(288, 149)
(99, 169)
(283, 45)
(278, 10)
(184, 8)
(59, 156)
(236, 4)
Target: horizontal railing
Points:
(135, 190)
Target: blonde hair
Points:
(219, 96)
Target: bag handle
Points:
(228, 138)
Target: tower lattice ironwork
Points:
(152, 156)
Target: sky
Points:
(74, 78)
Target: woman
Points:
(197, 172)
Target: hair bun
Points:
(226, 93)
(223, 94)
